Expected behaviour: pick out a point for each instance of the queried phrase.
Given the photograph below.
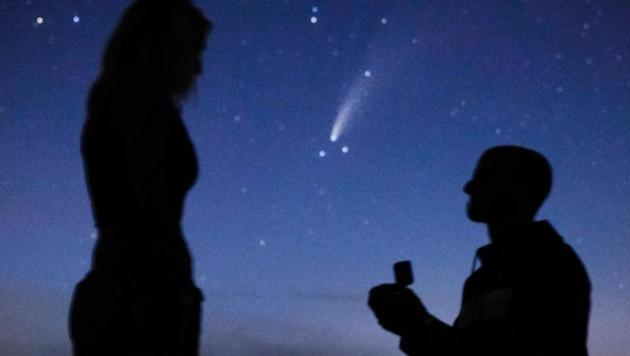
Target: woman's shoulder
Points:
(127, 108)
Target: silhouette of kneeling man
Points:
(139, 298)
(531, 295)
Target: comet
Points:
(351, 104)
(344, 114)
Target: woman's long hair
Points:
(151, 52)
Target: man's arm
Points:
(433, 338)
(400, 311)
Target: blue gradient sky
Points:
(286, 242)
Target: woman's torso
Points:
(139, 164)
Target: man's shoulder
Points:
(556, 262)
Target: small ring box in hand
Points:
(403, 274)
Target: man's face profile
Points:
(482, 195)
(494, 192)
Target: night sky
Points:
(290, 230)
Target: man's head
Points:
(509, 185)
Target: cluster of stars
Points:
(40, 20)
(344, 150)
(314, 10)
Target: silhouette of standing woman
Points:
(139, 297)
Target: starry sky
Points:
(288, 229)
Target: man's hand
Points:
(396, 308)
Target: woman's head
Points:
(157, 45)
